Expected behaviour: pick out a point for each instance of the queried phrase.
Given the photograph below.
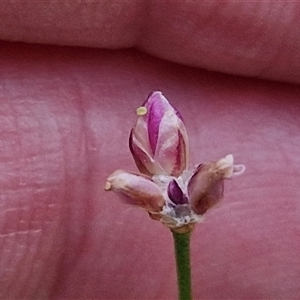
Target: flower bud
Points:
(175, 193)
(159, 142)
(136, 189)
(206, 186)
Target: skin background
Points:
(65, 119)
(65, 116)
(250, 38)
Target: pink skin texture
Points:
(65, 117)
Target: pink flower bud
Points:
(205, 188)
(136, 189)
(159, 142)
(171, 193)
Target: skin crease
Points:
(250, 38)
(65, 116)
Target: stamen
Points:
(141, 111)
(238, 170)
(107, 186)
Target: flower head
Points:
(158, 141)
(166, 188)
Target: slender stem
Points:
(182, 255)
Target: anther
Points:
(141, 111)
(107, 186)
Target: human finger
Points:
(65, 118)
(258, 39)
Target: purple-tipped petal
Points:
(172, 146)
(144, 162)
(175, 193)
(136, 190)
(157, 98)
(157, 105)
(183, 153)
(140, 133)
(205, 188)
(141, 151)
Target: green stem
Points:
(182, 255)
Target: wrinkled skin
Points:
(65, 116)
